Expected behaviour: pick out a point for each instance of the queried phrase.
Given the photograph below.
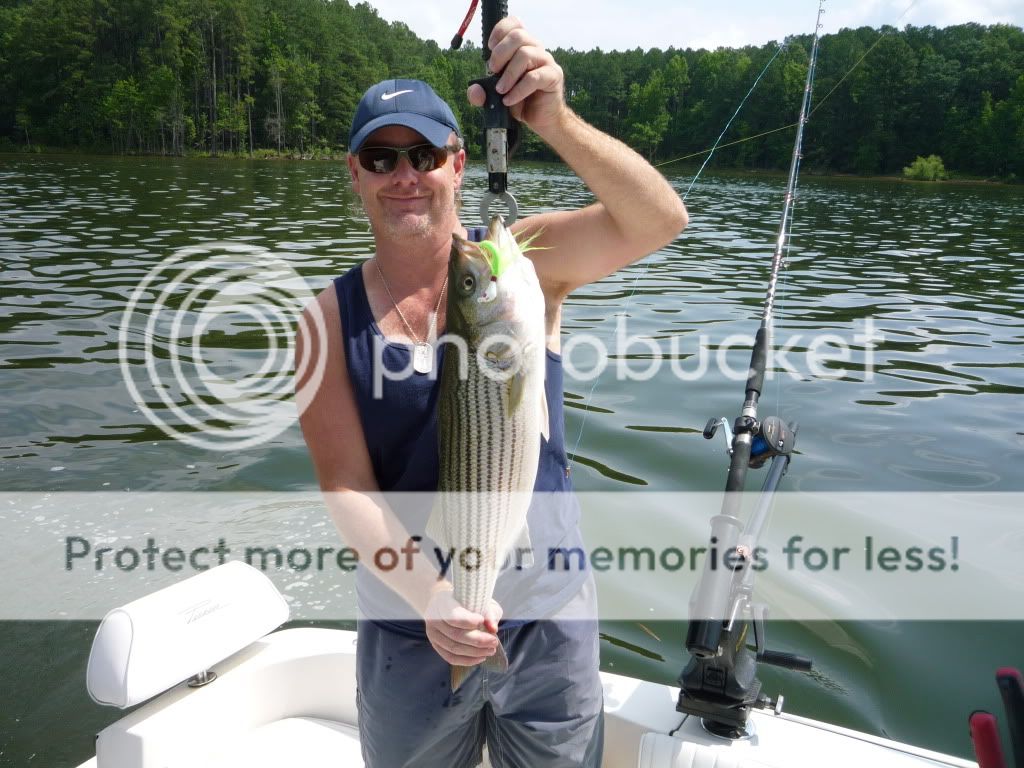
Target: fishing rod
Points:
(501, 130)
(720, 684)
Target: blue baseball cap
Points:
(411, 103)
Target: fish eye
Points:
(468, 283)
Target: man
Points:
(406, 164)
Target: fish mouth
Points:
(465, 252)
(494, 229)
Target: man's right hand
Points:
(460, 636)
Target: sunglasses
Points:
(423, 157)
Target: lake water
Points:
(937, 270)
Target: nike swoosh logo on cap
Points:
(389, 96)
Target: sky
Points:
(627, 24)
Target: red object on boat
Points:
(985, 735)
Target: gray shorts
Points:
(544, 712)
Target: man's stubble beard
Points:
(441, 210)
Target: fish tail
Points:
(459, 675)
(496, 663)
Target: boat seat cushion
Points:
(298, 741)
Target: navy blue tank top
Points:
(399, 420)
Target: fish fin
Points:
(545, 419)
(516, 386)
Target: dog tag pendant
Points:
(422, 357)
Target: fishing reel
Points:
(770, 438)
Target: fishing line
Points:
(727, 144)
(646, 265)
(849, 72)
(710, 153)
(863, 56)
(726, 129)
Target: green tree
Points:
(926, 169)
(24, 122)
(232, 75)
(647, 116)
(123, 109)
(162, 109)
(677, 80)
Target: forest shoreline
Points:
(339, 156)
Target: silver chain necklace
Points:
(422, 351)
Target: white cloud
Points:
(618, 25)
(944, 13)
(421, 18)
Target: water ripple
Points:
(938, 272)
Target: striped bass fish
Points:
(492, 412)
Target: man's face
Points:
(407, 203)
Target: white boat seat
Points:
(659, 750)
(301, 741)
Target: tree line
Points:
(283, 76)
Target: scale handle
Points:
(493, 12)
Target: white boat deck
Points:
(289, 699)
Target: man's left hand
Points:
(532, 84)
